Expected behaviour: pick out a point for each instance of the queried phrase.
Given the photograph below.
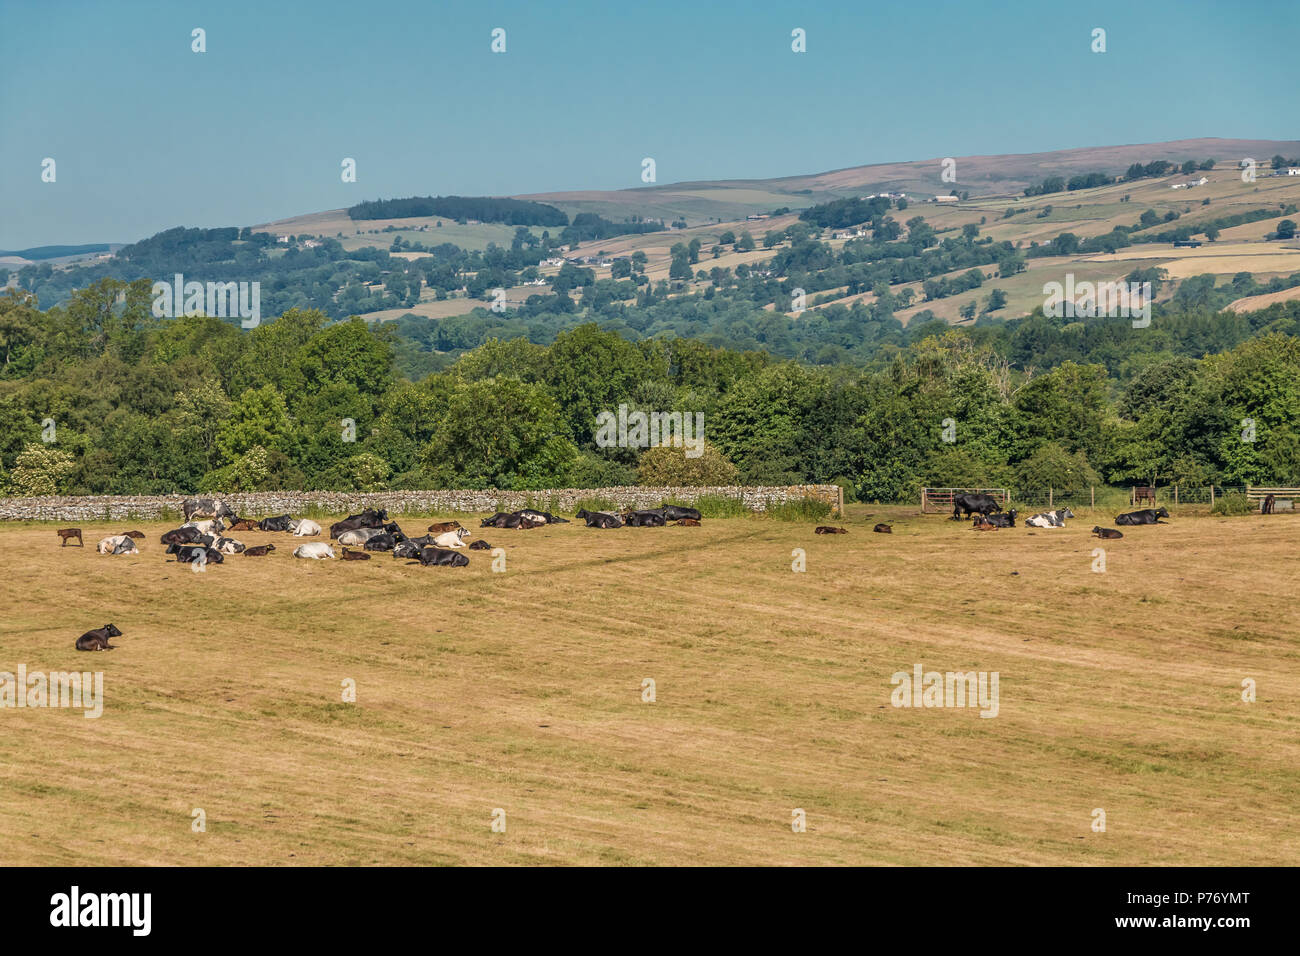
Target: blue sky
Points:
(147, 134)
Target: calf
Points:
(827, 529)
(260, 551)
(442, 556)
(1265, 508)
(984, 526)
(278, 523)
(883, 529)
(67, 533)
(355, 555)
(690, 522)
(442, 526)
(97, 640)
(245, 524)
(315, 550)
(134, 534)
(1145, 516)
(480, 545)
(1107, 533)
(1007, 520)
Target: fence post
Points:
(1175, 496)
(1049, 496)
(1211, 497)
(922, 501)
(1092, 495)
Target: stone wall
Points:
(258, 504)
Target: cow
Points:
(600, 519)
(677, 513)
(492, 521)
(316, 550)
(648, 518)
(206, 508)
(196, 554)
(480, 545)
(260, 551)
(277, 523)
(382, 542)
(180, 536)
(97, 640)
(355, 555)
(689, 522)
(827, 529)
(229, 546)
(1265, 507)
(451, 539)
(441, 526)
(1145, 516)
(883, 529)
(138, 535)
(117, 544)
(207, 526)
(965, 505)
(369, 518)
(245, 524)
(406, 549)
(1049, 519)
(1107, 533)
(442, 556)
(65, 534)
(982, 526)
(303, 527)
(1007, 520)
(540, 517)
(360, 536)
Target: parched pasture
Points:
(522, 690)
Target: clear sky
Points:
(147, 134)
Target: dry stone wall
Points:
(257, 504)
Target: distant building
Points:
(1293, 171)
(947, 199)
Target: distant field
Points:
(522, 690)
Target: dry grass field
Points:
(522, 690)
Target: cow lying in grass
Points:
(1145, 516)
(827, 529)
(97, 640)
(1007, 520)
(315, 550)
(260, 551)
(600, 519)
(883, 529)
(1049, 519)
(303, 527)
(1107, 533)
(443, 556)
(370, 518)
(118, 544)
(195, 554)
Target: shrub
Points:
(1232, 504)
(668, 465)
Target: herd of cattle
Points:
(988, 516)
(201, 540)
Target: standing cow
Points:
(963, 506)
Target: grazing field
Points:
(522, 691)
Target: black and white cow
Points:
(1007, 520)
(1145, 516)
(206, 508)
(278, 523)
(369, 518)
(1049, 519)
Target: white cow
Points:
(229, 545)
(118, 544)
(303, 527)
(314, 550)
(451, 539)
(360, 536)
(210, 526)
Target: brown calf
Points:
(826, 529)
(883, 529)
(442, 526)
(244, 524)
(259, 551)
(355, 555)
(133, 534)
(689, 522)
(66, 533)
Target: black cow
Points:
(1145, 516)
(1107, 533)
(97, 640)
(381, 542)
(963, 506)
(503, 520)
(649, 518)
(369, 518)
(480, 545)
(599, 519)
(1007, 520)
(181, 536)
(406, 549)
(677, 513)
(444, 556)
(278, 523)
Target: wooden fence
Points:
(940, 499)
